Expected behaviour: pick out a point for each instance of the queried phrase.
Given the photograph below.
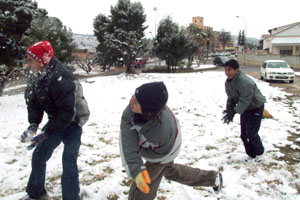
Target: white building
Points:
(284, 40)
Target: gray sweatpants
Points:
(175, 172)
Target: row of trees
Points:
(120, 35)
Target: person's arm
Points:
(63, 93)
(230, 103)
(35, 112)
(129, 146)
(246, 92)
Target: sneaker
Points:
(258, 159)
(218, 183)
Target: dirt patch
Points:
(293, 88)
(178, 70)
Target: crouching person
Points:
(150, 130)
(55, 90)
(244, 97)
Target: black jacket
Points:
(53, 91)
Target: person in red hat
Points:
(54, 90)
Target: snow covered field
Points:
(198, 100)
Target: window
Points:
(286, 52)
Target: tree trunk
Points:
(2, 85)
(130, 69)
(4, 79)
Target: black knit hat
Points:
(152, 96)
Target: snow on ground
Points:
(198, 100)
(195, 66)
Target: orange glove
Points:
(142, 180)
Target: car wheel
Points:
(292, 81)
(261, 78)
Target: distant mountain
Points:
(85, 41)
(249, 39)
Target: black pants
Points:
(250, 124)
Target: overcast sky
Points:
(256, 16)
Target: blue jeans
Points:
(71, 137)
(250, 124)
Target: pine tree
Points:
(173, 43)
(15, 19)
(240, 38)
(243, 39)
(44, 28)
(120, 35)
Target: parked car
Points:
(220, 60)
(276, 70)
(139, 62)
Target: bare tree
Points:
(224, 37)
(88, 63)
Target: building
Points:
(283, 40)
(199, 21)
(214, 43)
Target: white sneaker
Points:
(258, 159)
(218, 183)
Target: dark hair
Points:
(147, 116)
(232, 63)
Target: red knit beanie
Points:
(41, 52)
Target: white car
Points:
(276, 70)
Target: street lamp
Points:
(244, 22)
(155, 9)
(245, 29)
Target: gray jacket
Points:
(153, 141)
(243, 94)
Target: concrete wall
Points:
(258, 59)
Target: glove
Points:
(29, 133)
(37, 139)
(142, 180)
(228, 116)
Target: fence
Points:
(254, 59)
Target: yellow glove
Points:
(142, 180)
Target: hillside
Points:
(85, 41)
(249, 39)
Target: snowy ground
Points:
(198, 100)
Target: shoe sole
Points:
(218, 188)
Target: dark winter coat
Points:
(243, 94)
(57, 92)
(154, 141)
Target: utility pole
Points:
(155, 9)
